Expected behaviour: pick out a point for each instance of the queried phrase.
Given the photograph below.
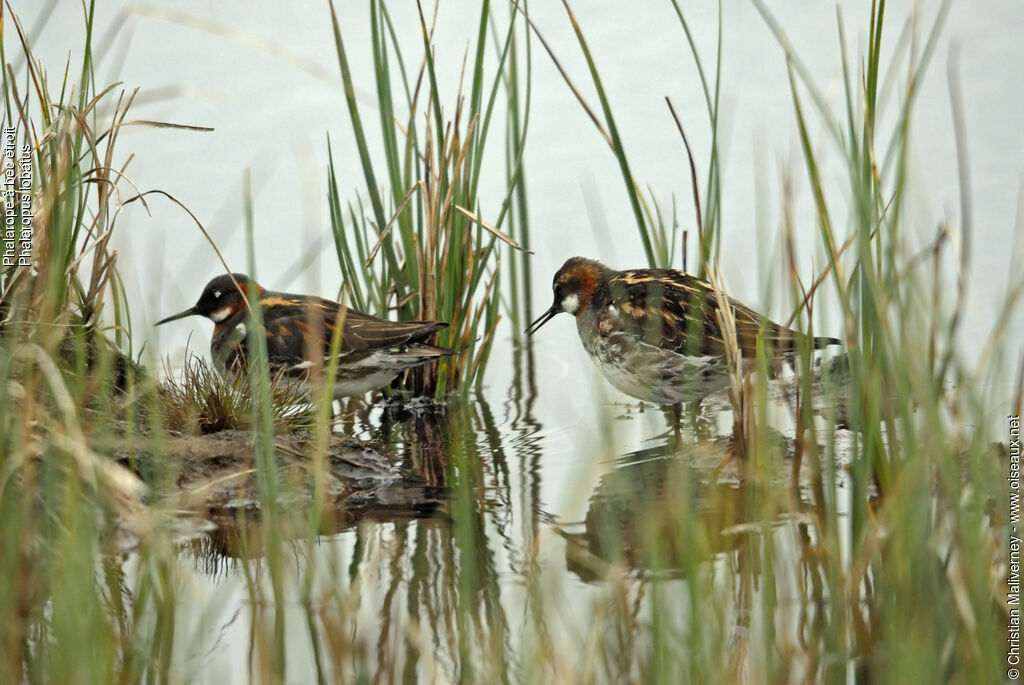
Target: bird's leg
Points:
(347, 412)
(694, 412)
(677, 416)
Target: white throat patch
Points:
(571, 303)
(219, 315)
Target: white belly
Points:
(662, 377)
(644, 370)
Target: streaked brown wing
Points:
(291, 320)
(377, 335)
(677, 312)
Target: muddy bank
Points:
(212, 482)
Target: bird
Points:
(654, 333)
(298, 330)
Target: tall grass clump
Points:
(82, 418)
(913, 582)
(67, 380)
(901, 554)
(423, 247)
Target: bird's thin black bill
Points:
(544, 318)
(188, 312)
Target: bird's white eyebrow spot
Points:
(571, 303)
(219, 315)
(217, 294)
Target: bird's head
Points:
(221, 298)
(574, 286)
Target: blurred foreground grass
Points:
(871, 552)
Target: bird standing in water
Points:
(654, 333)
(298, 329)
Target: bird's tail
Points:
(825, 342)
(423, 352)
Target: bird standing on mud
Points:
(298, 329)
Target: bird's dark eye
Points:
(559, 289)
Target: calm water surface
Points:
(547, 542)
(533, 512)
